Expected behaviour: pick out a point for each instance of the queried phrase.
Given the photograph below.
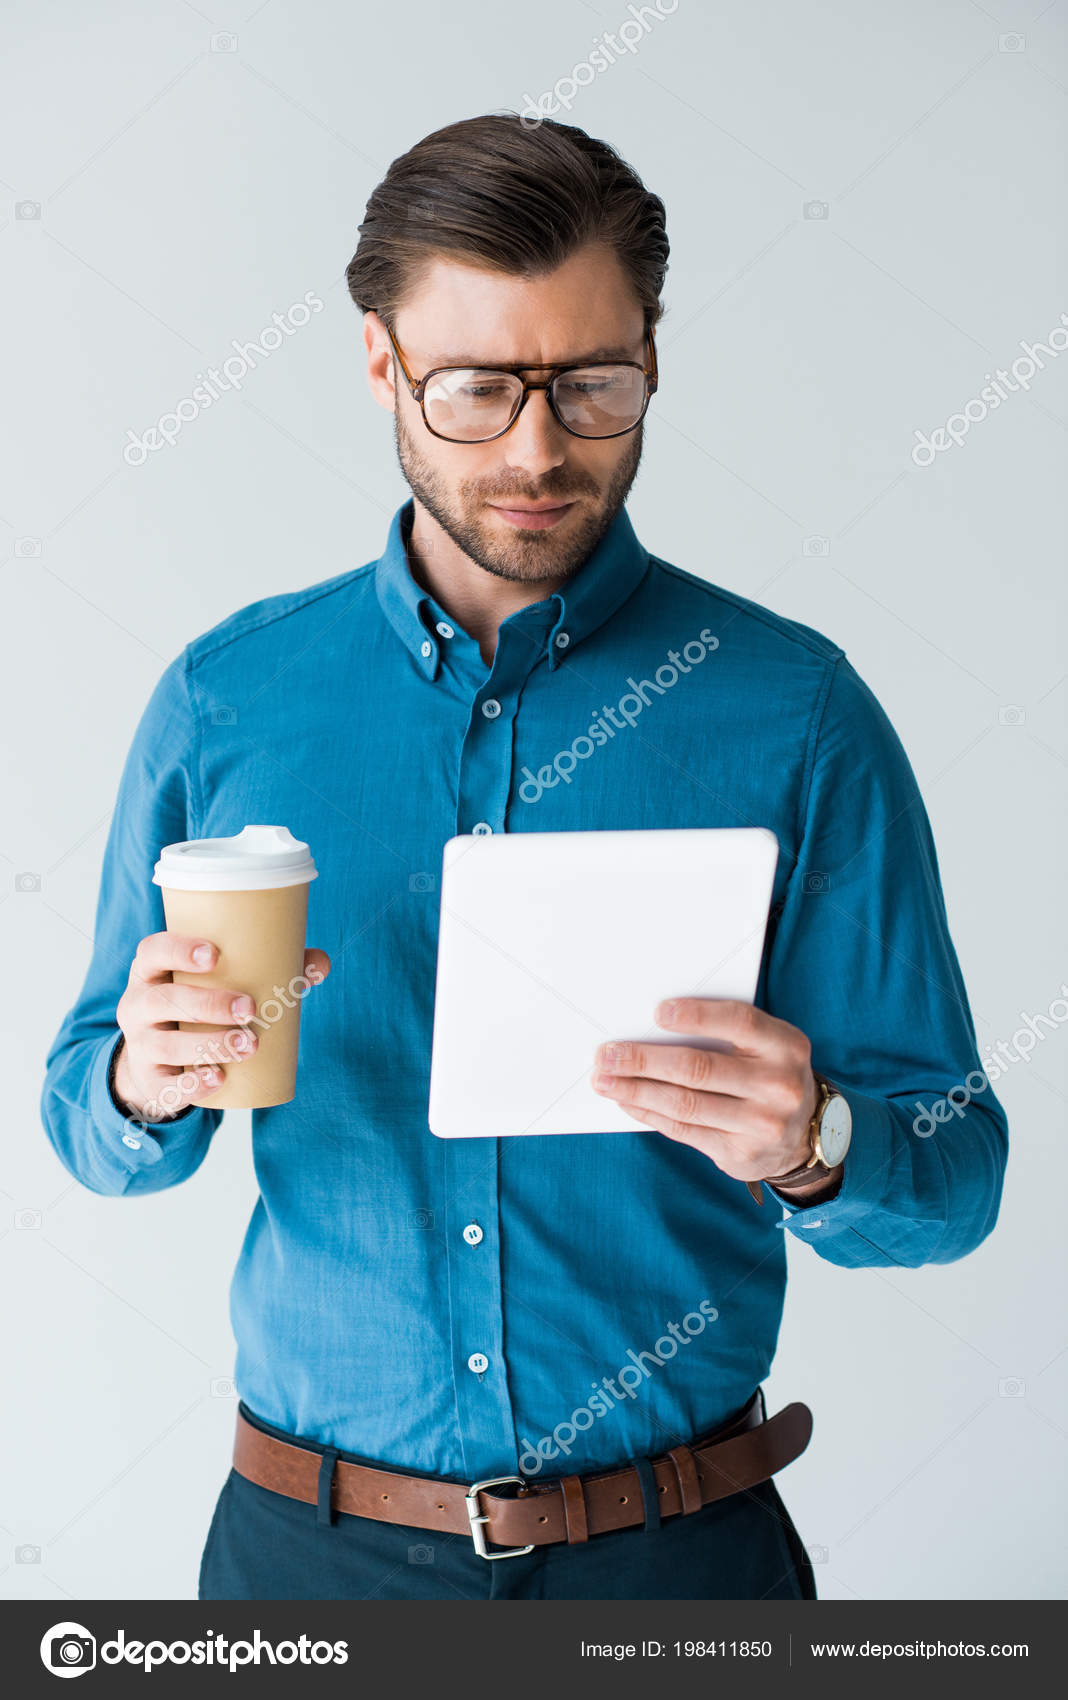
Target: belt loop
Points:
(689, 1482)
(574, 1509)
(324, 1516)
(650, 1492)
(763, 1403)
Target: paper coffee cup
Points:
(249, 895)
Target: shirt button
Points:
(473, 1233)
(491, 708)
(134, 1144)
(444, 629)
(427, 649)
(562, 640)
(480, 830)
(478, 1362)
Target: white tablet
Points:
(552, 942)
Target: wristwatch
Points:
(829, 1133)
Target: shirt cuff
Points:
(127, 1137)
(865, 1173)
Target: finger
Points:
(174, 1089)
(213, 1004)
(167, 1048)
(685, 1065)
(709, 1141)
(161, 953)
(743, 1024)
(685, 1105)
(316, 965)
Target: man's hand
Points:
(161, 1071)
(748, 1109)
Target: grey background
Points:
(189, 188)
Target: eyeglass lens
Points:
(468, 405)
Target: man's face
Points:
(462, 315)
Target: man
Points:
(588, 1317)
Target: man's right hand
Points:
(161, 1071)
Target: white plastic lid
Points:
(259, 858)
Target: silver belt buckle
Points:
(479, 1518)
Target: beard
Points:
(528, 557)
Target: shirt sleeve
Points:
(862, 962)
(157, 804)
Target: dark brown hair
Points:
(509, 196)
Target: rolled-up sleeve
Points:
(158, 803)
(862, 961)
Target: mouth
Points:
(534, 516)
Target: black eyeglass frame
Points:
(417, 389)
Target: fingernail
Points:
(241, 1041)
(241, 1006)
(602, 1082)
(210, 1076)
(202, 955)
(611, 1054)
(667, 1012)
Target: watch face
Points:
(836, 1127)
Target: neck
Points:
(476, 600)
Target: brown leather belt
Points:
(747, 1449)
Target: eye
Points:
(484, 390)
(592, 384)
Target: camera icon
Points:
(224, 715)
(223, 1387)
(817, 209)
(68, 1651)
(421, 882)
(1011, 714)
(27, 1555)
(421, 1218)
(1010, 1387)
(815, 546)
(27, 1219)
(27, 548)
(816, 882)
(27, 882)
(1011, 43)
(817, 1555)
(27, 209)
(420, 1555)
(224, 42)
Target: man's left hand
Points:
(748, 1109)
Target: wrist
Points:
(812, 1192)
(122, 1091)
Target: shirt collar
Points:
(601, 585)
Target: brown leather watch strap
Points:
(746, 1450)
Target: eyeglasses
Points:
(475, 404)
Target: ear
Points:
(379, 361)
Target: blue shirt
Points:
(449, 1306)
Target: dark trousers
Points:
(264, 1546)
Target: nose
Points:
(535, 442)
